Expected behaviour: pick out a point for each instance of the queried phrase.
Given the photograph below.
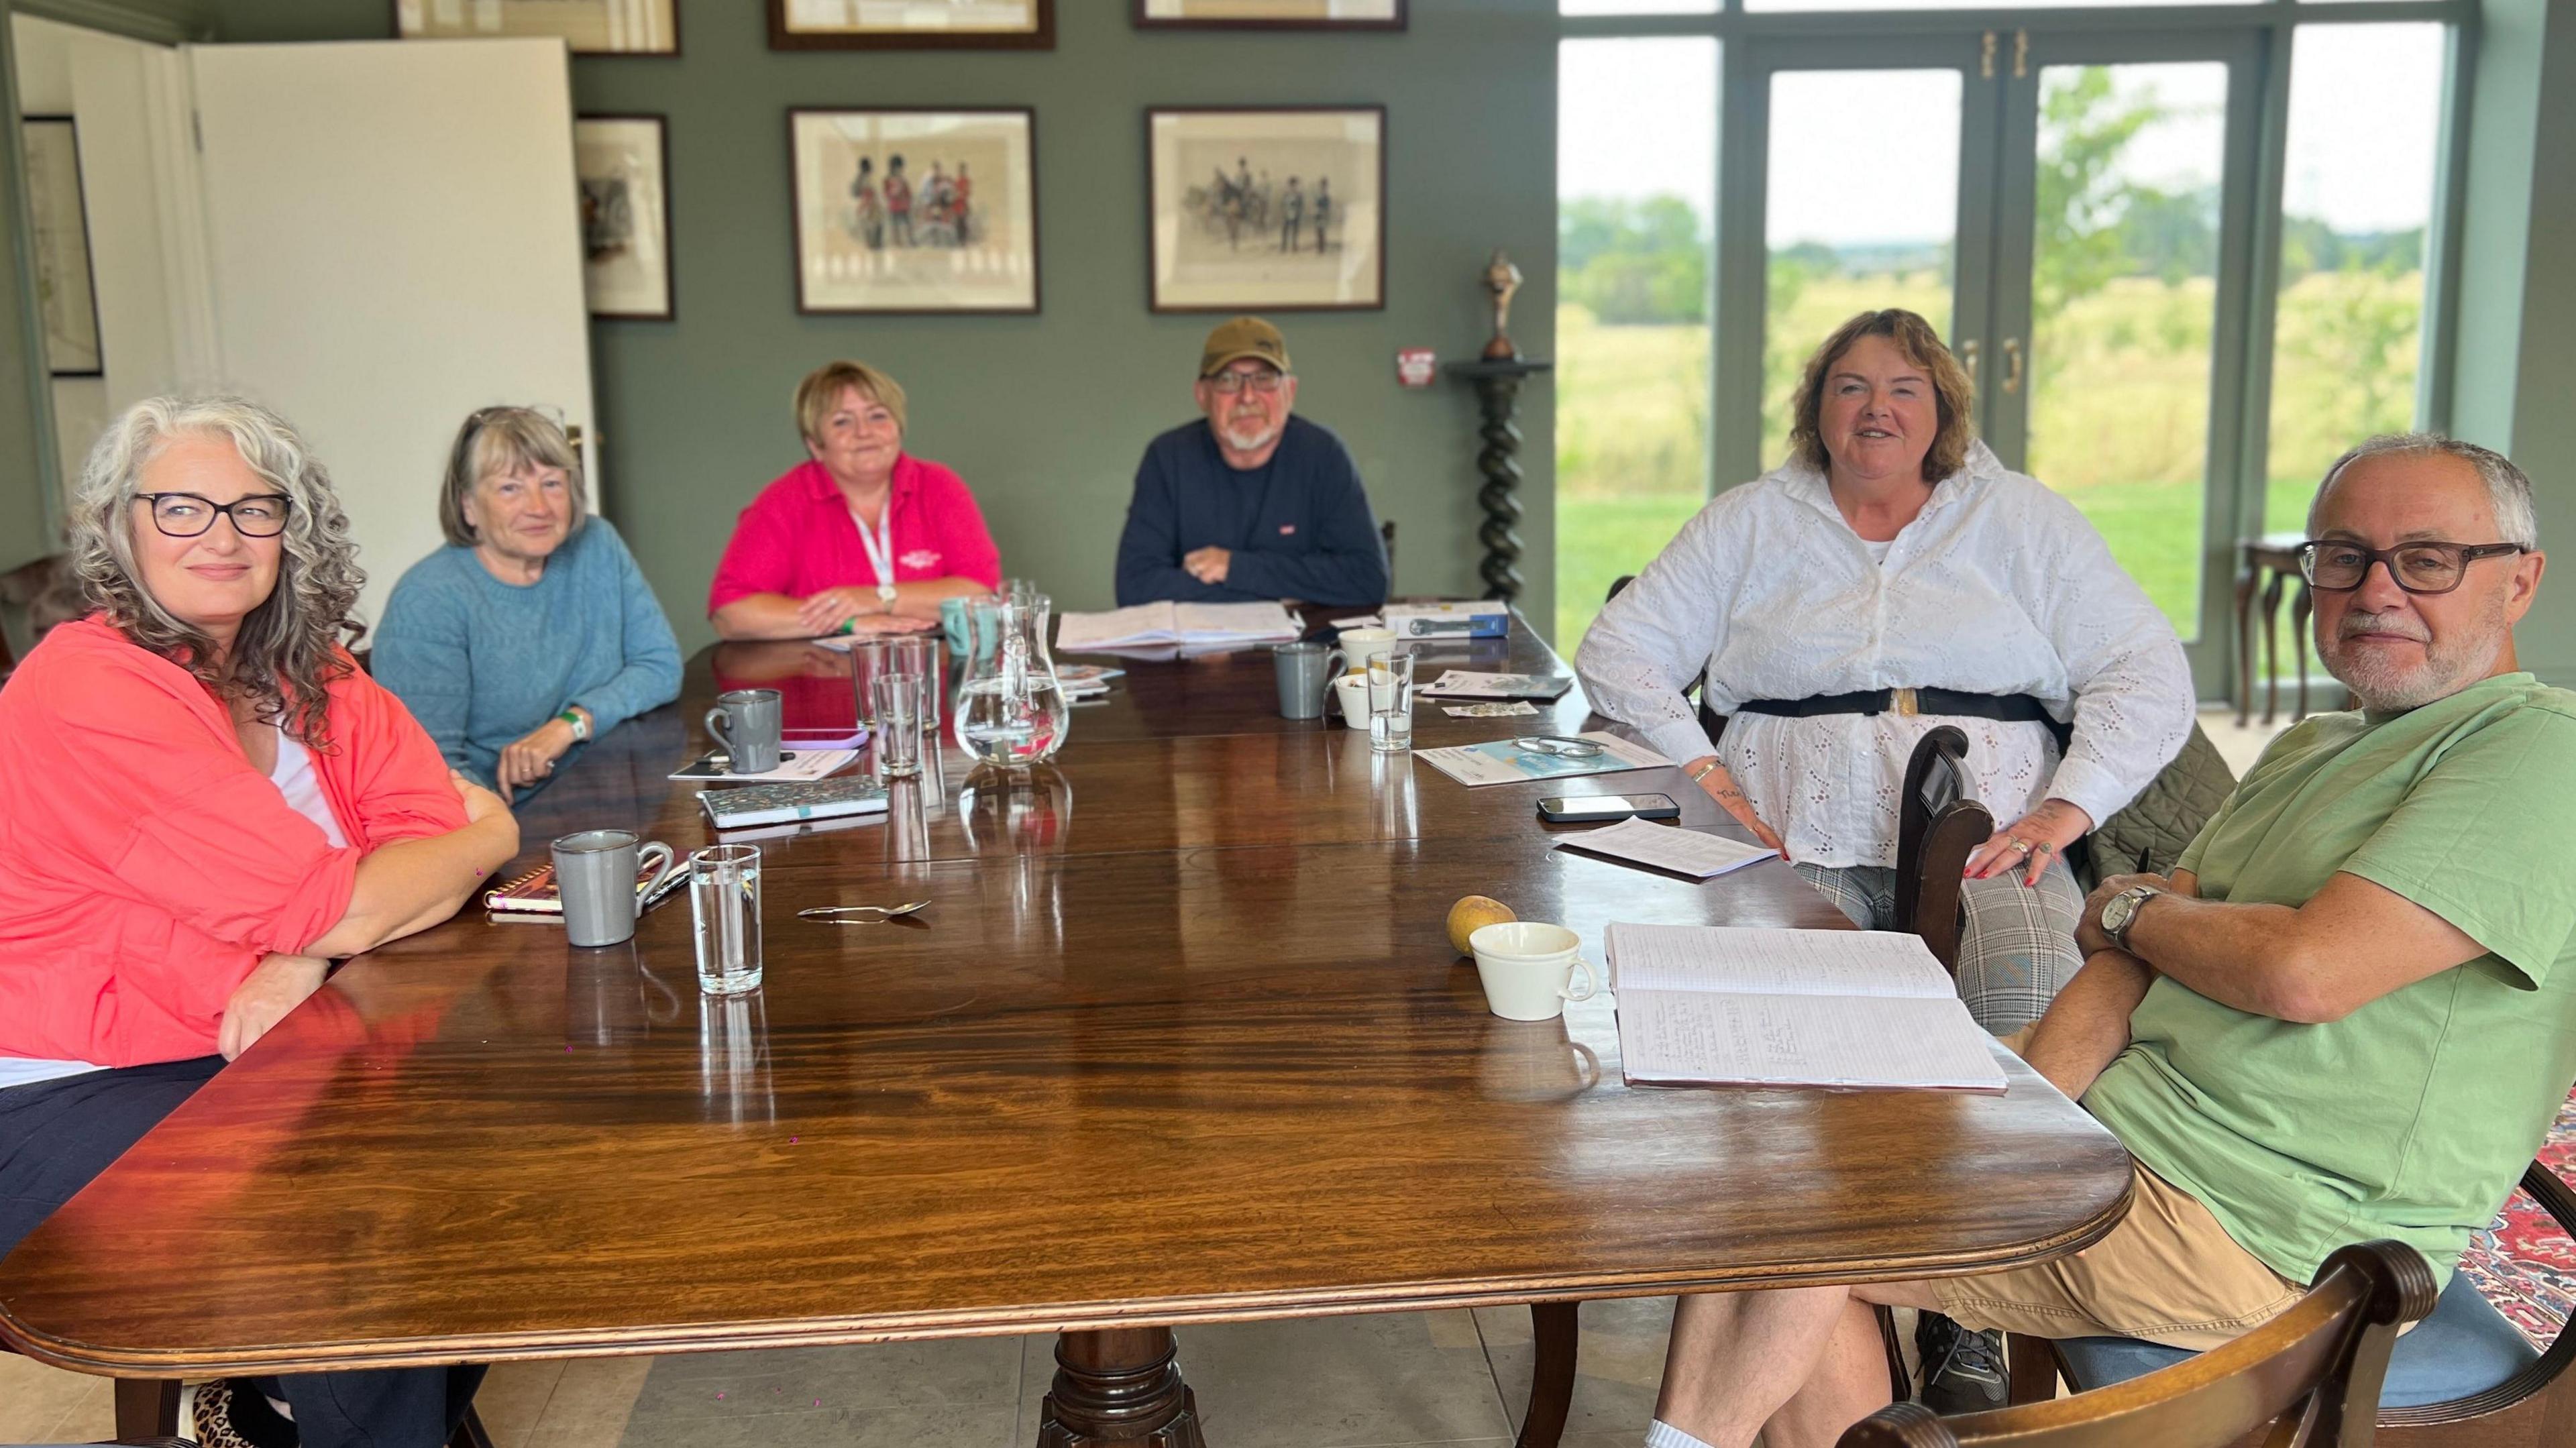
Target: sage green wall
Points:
(2516, 364)
(1045, 416)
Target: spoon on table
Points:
(857, 914)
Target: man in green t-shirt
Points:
(2350, 1013)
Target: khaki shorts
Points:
(2168, 1273)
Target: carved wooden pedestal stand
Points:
(1498, 390)
(1119, 1389)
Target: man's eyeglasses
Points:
(185, 515)
(2339, 567)
(1266, 380)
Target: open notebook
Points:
(1186, 624)
(1710, 1005)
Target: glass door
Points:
(2123, 245)
(1858, 175)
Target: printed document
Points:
(1166, 622)
(1665, 847)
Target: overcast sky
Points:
(1873, 157)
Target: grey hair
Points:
(2508, 487)
(505, 440)
(289, 649)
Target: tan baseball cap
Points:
(1240, 338)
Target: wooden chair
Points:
(1386, 535)
(2302, 1380)
(2464, 1379)
(43, 594)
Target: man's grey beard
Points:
(2386, 688)
(1252, 441)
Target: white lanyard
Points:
(880, 544)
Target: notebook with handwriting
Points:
(1713, 1005)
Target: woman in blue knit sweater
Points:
(533, 631)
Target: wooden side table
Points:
(2278, 555)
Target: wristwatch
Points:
(2121, 911)
(580, 723)
(886, 596)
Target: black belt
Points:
(2012, 708)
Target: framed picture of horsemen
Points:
(1272, 209)
(912, 24)
(901, 210)
(588, 27)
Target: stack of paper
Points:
(1667, 847)
(1186, 624)
(1504, 762)
(1719, 1005)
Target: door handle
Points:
(2012, 364)
(1968, 358)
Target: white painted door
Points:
(394, 241)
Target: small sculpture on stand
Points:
(1497, 376)
(1502, 279)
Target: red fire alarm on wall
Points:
(1416, 366)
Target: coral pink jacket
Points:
(146, 866)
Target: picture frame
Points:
(1271, 14)
(912, 24)
(1225, 236)
(623, 165)
(960, 234)
(66, 283)
(588, 27)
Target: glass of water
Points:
(724, 893)
(918, 656)
(1390, 697)
(869, 658)
(898, 754)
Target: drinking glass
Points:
(899, 719)
(868, 659)
(1390, 691)
(724, 894)
(917, 655)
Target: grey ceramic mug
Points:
(595, 873)
(747, 722)
(1305, 672)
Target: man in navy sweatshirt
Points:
(1249, 502)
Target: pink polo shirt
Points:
(798, 537)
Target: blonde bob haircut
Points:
(821, 389)
(1920, 345)
(505, 440)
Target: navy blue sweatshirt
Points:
(1298, 526)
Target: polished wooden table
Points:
(1179, 1040)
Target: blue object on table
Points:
(952, 618)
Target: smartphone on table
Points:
(1587, 809)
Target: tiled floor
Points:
(1450, 1378)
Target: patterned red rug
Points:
(2524, 1264)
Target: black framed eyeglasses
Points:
(186, 515)
(1260, 380)
(2339, 566)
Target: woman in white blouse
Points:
(1891, 553)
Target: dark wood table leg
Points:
(2301, 605)
(1554, 1330)
(2272, 645)
(147, 1407)
(2244, 642)
(1122, 1387)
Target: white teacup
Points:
(1359, 645)
(1528, 969)
(1351, 690)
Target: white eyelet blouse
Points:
(1998, 586)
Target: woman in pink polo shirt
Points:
(862, 536)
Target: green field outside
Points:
(2118, 415)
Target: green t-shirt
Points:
(2413, 1116)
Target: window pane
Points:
(2357, 191)
(1636, 191)
(1831, 257)
(2123, 292)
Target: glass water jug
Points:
(1011, 710)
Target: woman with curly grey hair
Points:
(202, 802)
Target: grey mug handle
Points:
(670, 862)
(716, 729)
(1334, 663)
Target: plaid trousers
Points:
(2016, 948)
